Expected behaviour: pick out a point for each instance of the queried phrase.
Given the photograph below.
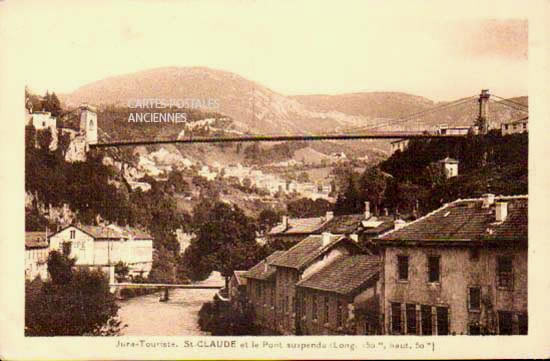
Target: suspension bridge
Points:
(423, 124)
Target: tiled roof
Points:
(298, 226)
(356, 223)
(261, 271)
(239, 277)
(345, 224)
(305, 251)
(101, 231)
(467, 220)
(345, 275)
(36, 240)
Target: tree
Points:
(121, 271)
(44, 138)
(373, 186)
(60, 267)
(164, 267)
(73, 303)
(267, 219)
(225, 240)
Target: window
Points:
(474, 329)
(505, 323)
(339, 313)
(313, 307)
(505, 272)
(442, 320)
(403, 268)
(474, 254)
(523, 324)
(474, 298)
(426, 314)
(433, 269)
(286, 304)
(73, 233)
(410, 311)
(396, 318)
(326, 309)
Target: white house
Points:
(105, 246)
(36, 255)
(43, 120)
(450, 167)
(515, 127)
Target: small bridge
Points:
(165, 285)
(116, 288)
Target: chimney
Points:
(329, 215)
(398, 224)
(488, 200)
(501, 211)
(285, 222)
(325, 237)
(367, 210)
(483, 111)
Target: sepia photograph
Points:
(194, 168)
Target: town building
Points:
(260, 291)
(515, 127)
(43, 120)
(104, 246)
(36, 255)
(362, 227)
(296, 229)
(449, 167)
(454, 130)
(461, 269)
(400, 144)
(299, 262)
(237, 286)
(340, 299)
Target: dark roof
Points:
(307, 250)
(36, 240)
(345, 224)
(344, 276)
(356, 223)
(263, 270)
(467, 220)
(298, 226)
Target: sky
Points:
(299, 47)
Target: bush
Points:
(77, 304)
(220, 319)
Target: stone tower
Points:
(88, 123)
(483, 117)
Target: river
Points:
(146, 316)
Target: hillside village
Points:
(430, 241)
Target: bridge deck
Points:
(165, 285)
(371, 135)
